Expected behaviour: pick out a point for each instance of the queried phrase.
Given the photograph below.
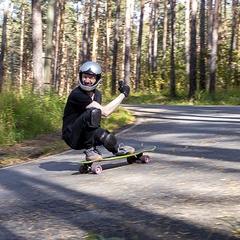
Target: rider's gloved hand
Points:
(123, 88)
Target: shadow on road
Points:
(73, 166)
(40, 214)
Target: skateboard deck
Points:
(137, 155)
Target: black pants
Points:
(80, 135)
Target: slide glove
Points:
(123, 88)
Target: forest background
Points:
(165, 50)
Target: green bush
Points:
(24, 116)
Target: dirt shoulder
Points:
(42, 145)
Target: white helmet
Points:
(90, 68)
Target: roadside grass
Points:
(25, 116)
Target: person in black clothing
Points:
(83, 113)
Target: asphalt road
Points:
(190, 189)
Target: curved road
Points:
(190, 190)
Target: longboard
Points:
(87, 166)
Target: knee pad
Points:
(95, 117)
(109, 141)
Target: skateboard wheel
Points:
(145, 159)
(84, 169)
(131, 160)
(81, 169)
(97, 169)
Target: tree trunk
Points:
(150, 38)
(12, 47)
(89, 32)
(165, 30)
(95, 35)
(234, 30)
(37, 46)
(127, 42)
(209, 37)
(187, 37)
(3, 44)
(62, 53)
(107, 36)
(48, 47)
(139, 47)
(86, 34)
(172, 79)
(202, 65)
(57, 22)
(115, 48)
(155, 40)
(213, 61)
(164, 42)
(193, 50)
(233, 45)
(78, 50)
(22, 33)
